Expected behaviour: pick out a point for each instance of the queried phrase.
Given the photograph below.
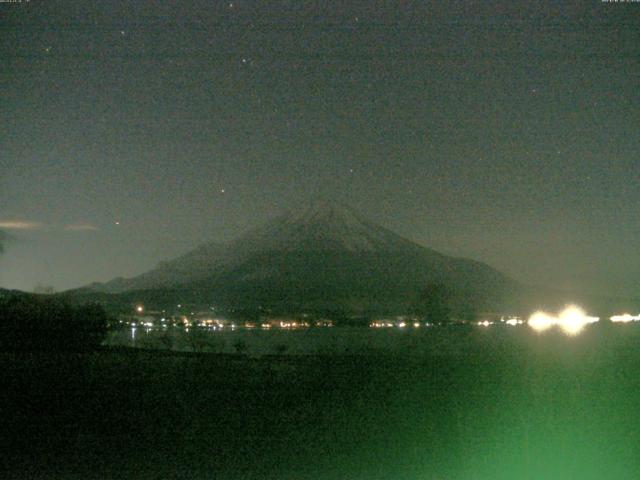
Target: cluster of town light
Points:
(196, 320)
(511, 321)
(398, 324)
(571, 320)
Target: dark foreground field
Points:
(514, 407)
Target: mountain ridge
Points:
(318, 256)
(321, 226)
(328, 258)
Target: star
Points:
(222, 190)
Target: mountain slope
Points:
(319, 256)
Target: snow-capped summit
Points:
(322, 226)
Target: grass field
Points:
(505, 407)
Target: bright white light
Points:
(139, 309)
(571, 320)
(625, 318)
(541, 321)
(485, 323)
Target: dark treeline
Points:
(30, 323)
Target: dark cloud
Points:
(81, 227)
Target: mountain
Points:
(321, 256)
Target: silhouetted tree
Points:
(29, 323)
(435, 303)
(44, 289)
(197, 339)
(467, 311)
(167, 340)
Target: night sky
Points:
(507, 132)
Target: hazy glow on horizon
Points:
(19, 225)
(571, 320)
(31, 225)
